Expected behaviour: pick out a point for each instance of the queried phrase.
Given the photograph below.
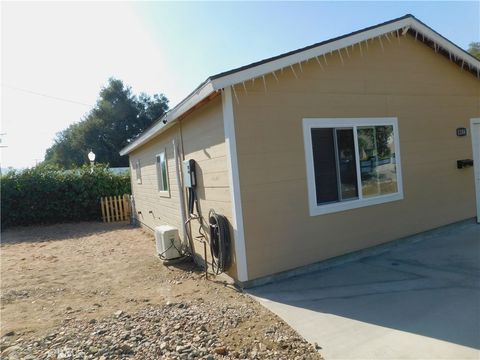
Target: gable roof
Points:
(405, 25)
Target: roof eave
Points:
(401, 24)
(236, 76)
(201, 93)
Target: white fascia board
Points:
(169, 118)
(274, 65)
(286, 61)
(268, 67)
(444, 43)
(146, 136)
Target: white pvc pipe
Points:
(180, 193)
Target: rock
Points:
(182, 348)
(9, 350)
(125, 349)
(187, 329)
(221, 350)
(10, 333)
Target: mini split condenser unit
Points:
(168, 242)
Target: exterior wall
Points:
(204, 141)
(166, 210)
(428, 94)
(201, 137)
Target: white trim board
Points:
(476, 162)
(234, 180)
(271, 66)
(159, 171)
(168, 119)
(219, 82)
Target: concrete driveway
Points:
(418, 300)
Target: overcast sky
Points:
(56, 56)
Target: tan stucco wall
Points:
(204, 141)
(429, 95)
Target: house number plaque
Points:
(461, 131)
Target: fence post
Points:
(112, 209)
(103, 210)
(120, 207)
(115, 206)
(126, 205)
(107, 212)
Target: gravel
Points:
(176, 330)
(94, 291)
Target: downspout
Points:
(133, 210)
(180, 193)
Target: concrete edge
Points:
(354, 256)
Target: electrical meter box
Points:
(189, 176)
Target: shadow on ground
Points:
(58, 232)
(429, 287)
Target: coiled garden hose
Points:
(219, 241)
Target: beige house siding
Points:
(201, 137)
(204, 141)
(428, 94)
(166, 210)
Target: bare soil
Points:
(53, 275)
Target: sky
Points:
(56, 56)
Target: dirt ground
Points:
(78, 272)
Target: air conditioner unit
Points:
(168, 242)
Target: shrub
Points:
(47, 195)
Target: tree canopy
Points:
(474, 49)
(118, 117)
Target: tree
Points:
(474, 49)
(118, 117)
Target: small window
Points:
(162, 173)
(351, 163)
(138, 171)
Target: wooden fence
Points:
(115, 208)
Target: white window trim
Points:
(162, 193)
(138, 171)
(312, 123)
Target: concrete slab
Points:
(419, 300)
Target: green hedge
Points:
(45, 195)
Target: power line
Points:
(46, 95)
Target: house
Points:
(322, 151)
